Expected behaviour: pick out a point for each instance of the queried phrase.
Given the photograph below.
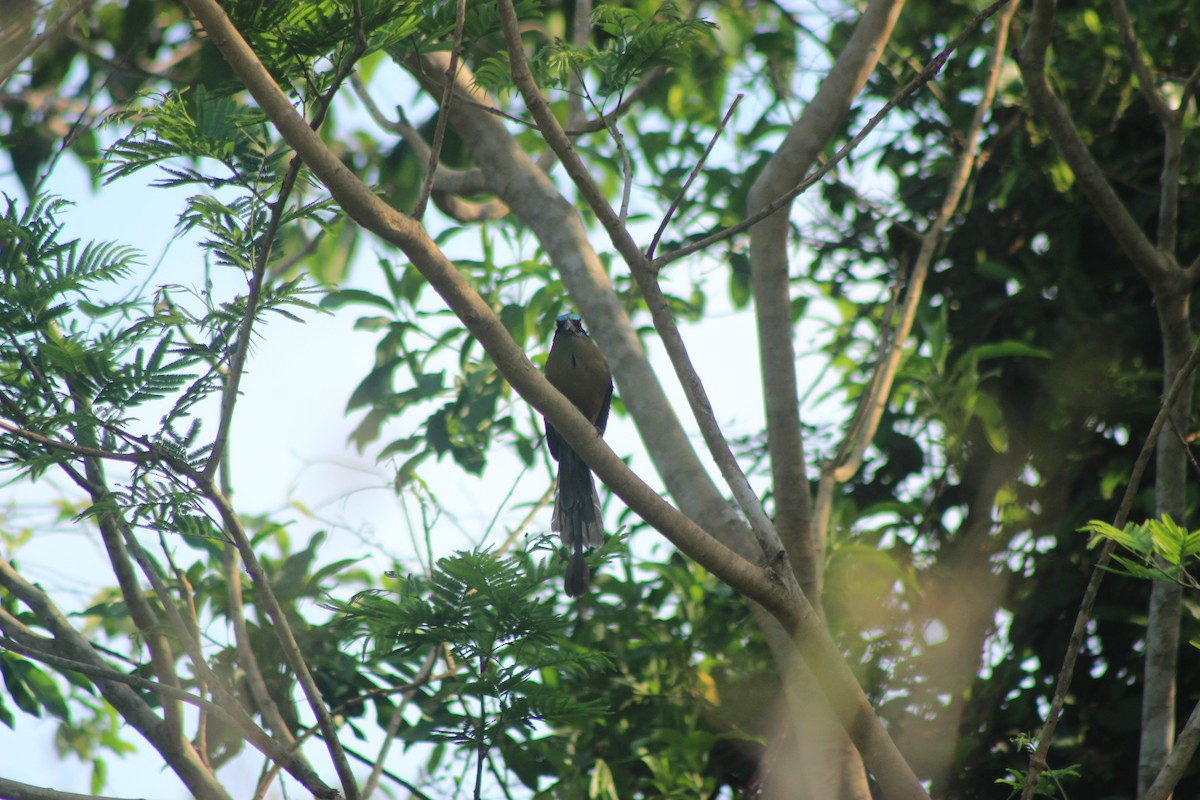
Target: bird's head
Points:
(569, 324)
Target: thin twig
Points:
(394, 723)
(581, 31)
(106, 674)
(875, 401)
(541, 503)
(1145, 81)
(255, 681)
(1191, 85)
(447, 180)
(688, 183)
(439, 132)
(142, 457)
(627, 102)
(241, 347)
(287, 639)
(615, 132)
(407, 786)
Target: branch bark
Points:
(771, 285)
(823, 754)
(15, 790)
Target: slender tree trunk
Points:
(1162, 627)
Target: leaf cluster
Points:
(1157, 549)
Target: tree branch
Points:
(640, 267)
(15, 790)
(393, 725)
(140, 610)
(141, 457)
(439, 133)
(448, 183)
(666, 220)
(770, 282)
(1177, 763)
(1145, 81)
(846, 697)
(926, 75)
(876, 400)
(266, 242)
(287, 640)
(1156, 267)
(52, 30)
(178, 754)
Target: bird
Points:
(577, 368)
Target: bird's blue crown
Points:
(567, 316)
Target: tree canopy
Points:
(956, 560)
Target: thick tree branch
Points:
(825, 755)
(771, 283)
(1177, 764)
(639, 265)
(15, 790)
(1156, 267)
(850, 704)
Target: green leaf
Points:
(341, 298)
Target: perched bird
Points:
(578, 369)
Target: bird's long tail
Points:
(576, 517)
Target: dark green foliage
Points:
(650, 688)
